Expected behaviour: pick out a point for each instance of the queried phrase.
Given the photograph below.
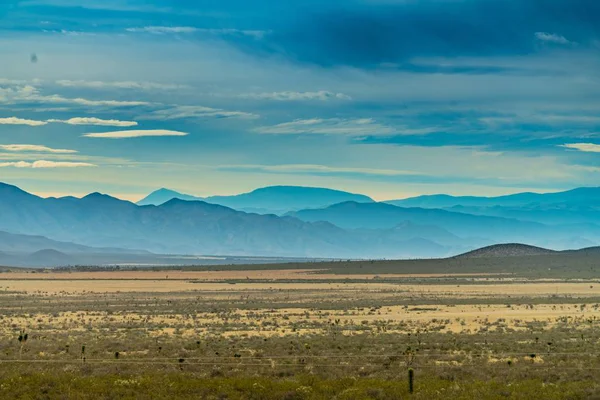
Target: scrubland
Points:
(287, 332)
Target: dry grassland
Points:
(456, 330)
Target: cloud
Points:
(338, 126)
(551, 38)
(295, 96)
(134, 134)
(30, 94)
(585, 147)
(120, 85)
(20, 121)
(544, 119)
(95, 121)
(160, 30)
(316, 169)
(45, 164)
(86, 102)
(163, 29)
(366, 33)
(35, 148)
(182, 112)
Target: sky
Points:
(390, 98)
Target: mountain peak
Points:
(164, 195)
(100, 198)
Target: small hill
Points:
(507, 250)
(587, 251)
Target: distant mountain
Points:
(24, 244)
(184, 227)
(351, 215)
(161, 196)
(49, 257)
(15, 243)
(267, 200)
(586, 196)
(577, 206)
(507, 250)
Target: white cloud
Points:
(20, 121)
(35, 148)
(295, 96)
(135, 134)
(120, 85)
(339, 126)
(257, 34)
(46, 164)
(161, 30)
(86, 102)
(551, 38)
(318, 169)
(181, 112)
(585, 147)
(95, 121)
(546, 119)
(30, 94)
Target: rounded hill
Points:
(507, 250)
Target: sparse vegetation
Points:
(305, 335)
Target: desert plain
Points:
(511, 327)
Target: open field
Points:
(322, 331)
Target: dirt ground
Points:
(288, 295)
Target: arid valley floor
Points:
(503, 327)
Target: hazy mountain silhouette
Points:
(344, 230)
(163, 195)
(183, 227)
(49, 257)
(267, 200)
(352, 215)
(586, 196)
(577, 206)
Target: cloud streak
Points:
(321, 95)
(45, 164)
(162, 30)
(317, 169)
(185, 112)
(585, 147)
(135, 134)
(120, 85)
(30, 94)
(21, 121)
(551, 38)
(94, 121)
(34, 148)
(339, 126)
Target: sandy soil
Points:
(96, 285)
(292, 274)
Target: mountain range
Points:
(581, 205)
(197, 227)
(267, 200)
(294, 222)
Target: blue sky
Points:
(390, 98)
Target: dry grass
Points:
(279, 327)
